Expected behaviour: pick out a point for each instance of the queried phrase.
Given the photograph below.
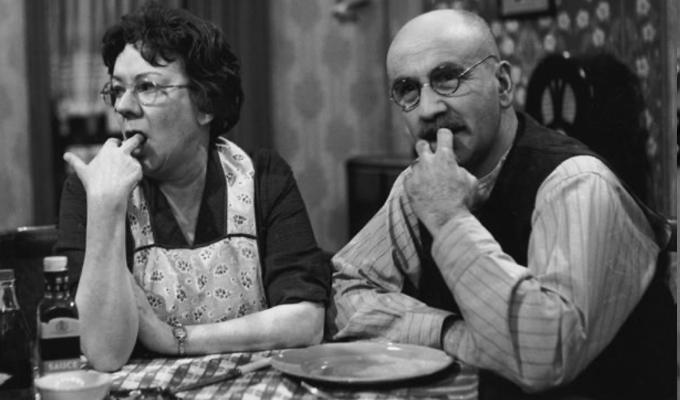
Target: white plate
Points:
(361, 362)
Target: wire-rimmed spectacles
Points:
(146, 92)
(444, 80)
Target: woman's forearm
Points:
(282, 326)
(106, 304)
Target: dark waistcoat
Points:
(640, 362)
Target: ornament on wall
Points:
(348, 10)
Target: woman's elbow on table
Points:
(106, 353)
(306, 325)
(105, 360)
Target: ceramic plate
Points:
(361, 362)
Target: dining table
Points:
(135, 379)
(457, 381)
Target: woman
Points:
(187, 244)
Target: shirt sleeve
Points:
(591, 257)
(370, 274)
(294, 267)
(72, 228)
(72, 224)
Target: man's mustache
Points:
(429, 131)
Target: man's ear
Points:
(505, 85)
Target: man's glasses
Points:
(444, 80)
(147, 93)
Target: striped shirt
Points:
(591, 256)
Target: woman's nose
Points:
(128, 104)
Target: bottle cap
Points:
(55, 263)
(6, 274)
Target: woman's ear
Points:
(204, 118)
(505, 85)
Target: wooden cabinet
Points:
(369, 181)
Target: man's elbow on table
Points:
(540, 385)
(549, 376)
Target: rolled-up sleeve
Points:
(591, 257)
(371, 272)
(294, 267)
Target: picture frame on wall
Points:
(520, 9)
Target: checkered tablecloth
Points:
(456, 382)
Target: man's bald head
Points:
(456, 29)
(469, 89)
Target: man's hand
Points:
(112, 173)
(437, 186)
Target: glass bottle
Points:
(15, 348)
(57, 321)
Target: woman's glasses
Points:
(147, 93)
(443, 79)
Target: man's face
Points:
(472, 113)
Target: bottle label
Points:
(50, 366)
(59, 345)
(60, 328)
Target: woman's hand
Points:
(112, 173)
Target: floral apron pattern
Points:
(212, 283)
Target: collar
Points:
(486, 183)
(211, 218)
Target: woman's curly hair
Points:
(163, 35)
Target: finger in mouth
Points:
(131, 133)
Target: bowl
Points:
(74, 385)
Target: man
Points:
(510, 246)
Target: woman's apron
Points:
(214, 282)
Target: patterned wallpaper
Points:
(628, 29)
(329, 99)
(15, 204)
(330, 103)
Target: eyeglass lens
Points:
(146, 92)
(443, 79)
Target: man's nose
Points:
(431, 103)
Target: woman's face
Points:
(175, 130)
